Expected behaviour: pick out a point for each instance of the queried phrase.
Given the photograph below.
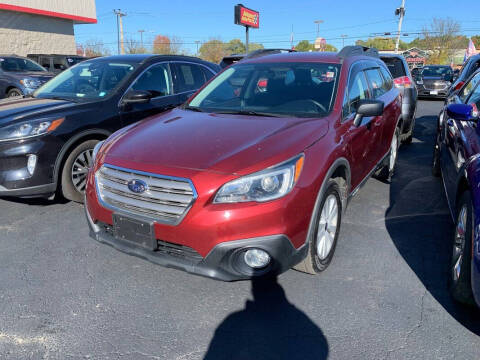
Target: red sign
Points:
(247, 17)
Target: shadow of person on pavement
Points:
(269, 327)
(419, 223)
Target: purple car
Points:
(457, 159)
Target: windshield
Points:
(19, 65)
(86, 81)
(436, 71)
(74, 60)
(275, 89)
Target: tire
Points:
(14, 93)
(436, 170)
(409, 138)
(460, 275)
(319, 257)
(75, 170)
(385, 173)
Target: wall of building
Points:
(77, 10)
(23, 34)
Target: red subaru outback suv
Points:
(253, 174)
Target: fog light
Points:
(31, 163)
(256, 258)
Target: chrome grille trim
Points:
(167, 199)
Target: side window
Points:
(156, 80)
(376, 82)
(387, 77)
(357, 90)
(45, 62)
(467, 89)
(188, 77)
(59, 63)
(207, 73)
(474, 98)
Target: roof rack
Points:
(357, 50)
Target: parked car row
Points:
(237, 173)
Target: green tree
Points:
(382, 43)
(304, 45)
(235, 46)
(255, 46)
(213, 50)
(330, 47)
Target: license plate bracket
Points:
(137, 232)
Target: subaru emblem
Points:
(137, 186)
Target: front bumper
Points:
(424, 93)
(223, 262)
(15, 180)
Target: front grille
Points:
(165, 200)
(434, 85)
(165, 248)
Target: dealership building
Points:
(42, 26)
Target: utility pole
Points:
(141, 37)
(291, 39)
(318, 22)
(399, 12)
(120, 47)
(343, 36)
(197, 42)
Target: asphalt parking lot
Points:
(65, 296)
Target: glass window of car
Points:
(387, 79)
(60, 63)
(473, 97)
(272, 89)
(87, 80)
(11, 64)
(155, 80)
(376, 82)
(207, 73)
(442, 71)
(395, 65)
(189, 77)
(357, 90)
(467, 89)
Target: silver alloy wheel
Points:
(393, 152)
(327, 227)
(14, 93)
(459, 243)
(80, 169)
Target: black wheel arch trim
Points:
(340, 162)
(68, 145)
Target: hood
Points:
(19, 109)
(233, 144)
(40, 75)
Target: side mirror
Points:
(137, 97)
(368, 108)
(461, 112)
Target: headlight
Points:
(419, 82)
(265, 185)
(30, 83)
(95, 151)
(28, 129)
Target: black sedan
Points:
(47, 140)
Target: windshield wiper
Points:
(192, 108)
(251, 113)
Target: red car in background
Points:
(249, 179)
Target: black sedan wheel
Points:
(14, 93)
(460, 268)
(75, 170)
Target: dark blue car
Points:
(457, 159)
(20, 76)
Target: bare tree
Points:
(133, 46)
(93, 47)
(442, 38)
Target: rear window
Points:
(395, 66)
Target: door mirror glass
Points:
(137, 97)
(461, 112)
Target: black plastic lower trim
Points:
(30, 192)
(220, 262)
